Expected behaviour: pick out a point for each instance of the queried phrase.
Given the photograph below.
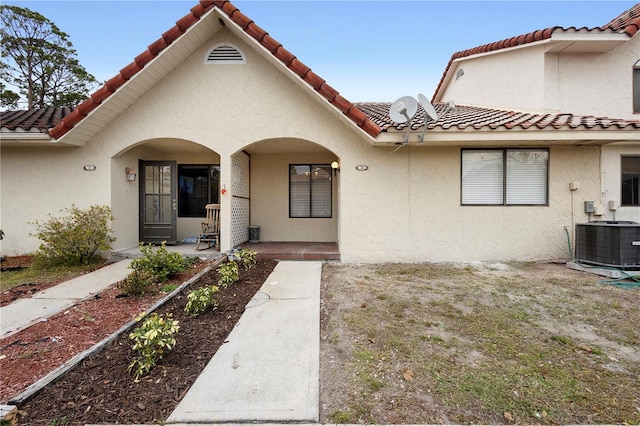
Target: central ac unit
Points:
(614, 244)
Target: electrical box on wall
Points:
(589, 207)
(574, 186)
(612, 205)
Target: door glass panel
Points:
(158, 202)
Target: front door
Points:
(158, 205)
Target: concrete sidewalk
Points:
(268, 370)
(27, 311)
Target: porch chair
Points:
(211, 228)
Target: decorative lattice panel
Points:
(240, 220)
(240, 175)
(240, 198)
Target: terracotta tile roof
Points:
(463, 117)
(35, 120)
(628, 22)
(249, 27)
(460, 118)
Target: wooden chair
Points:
(211, 228)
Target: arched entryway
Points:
(160, 188)
(287, 188)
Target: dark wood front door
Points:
(158, 203)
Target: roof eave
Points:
(503, 137)
(11, 138)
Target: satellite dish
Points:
(428, 108)
(403, 109)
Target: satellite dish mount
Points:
(405, 108)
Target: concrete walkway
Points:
(41, 305)
(268, 371)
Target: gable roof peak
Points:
(252, 30)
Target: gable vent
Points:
(225, 54)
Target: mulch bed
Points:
(101, 390)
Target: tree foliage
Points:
(38, 59)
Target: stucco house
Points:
(216, 110)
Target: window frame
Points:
(330, 196)
(212, 193)
(636, 87)
(637, 203)
(505, 181)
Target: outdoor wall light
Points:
(89, 168)
(335, 166)
(362, 167)
(131, 174)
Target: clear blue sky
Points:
(367, 50)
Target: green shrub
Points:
(76, 238)
(159, 262)
(151, 339)
(137, 283)
(228, 274)
(247, 258)
(199, 300)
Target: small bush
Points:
(198, 301)
(151, 339)
(159, 262)
(228, 274)
(76, 238)
(247, 258)
(137, 283)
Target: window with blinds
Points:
(309, 191)
(630, 167)
(505, 176)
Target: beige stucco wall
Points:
(406, 207)
(270, 200)
(598, 84)
(530, 79)
(511, 79)
(224, 108)
(37, 181)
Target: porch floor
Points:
(264, 250)
(294, 250)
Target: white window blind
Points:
(505, 177)
(482, 177)
(527, 176)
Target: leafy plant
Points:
(228, 274)
(151, 339)
(137, 283)
(199, 300)
(76, 238)
(159, 262)
(247, 258)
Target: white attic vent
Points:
(225, 53)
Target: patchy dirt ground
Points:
(480, 343)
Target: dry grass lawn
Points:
(480, 343)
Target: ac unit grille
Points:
(612, 244)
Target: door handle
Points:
(174, 205)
